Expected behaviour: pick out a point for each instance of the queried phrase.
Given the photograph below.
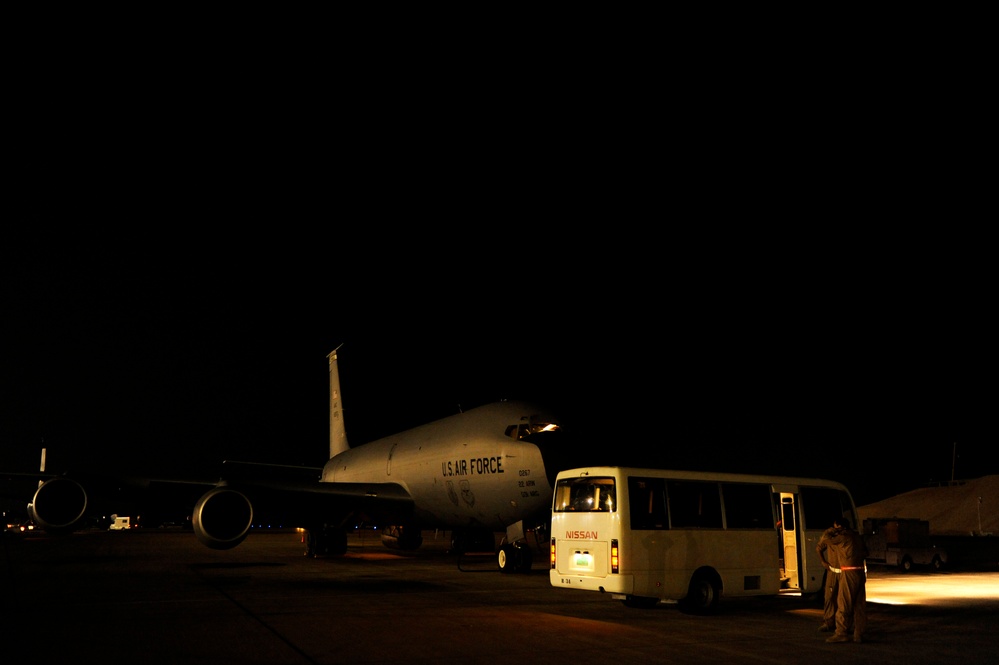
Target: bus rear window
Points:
(586, 494)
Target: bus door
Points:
(789, 538)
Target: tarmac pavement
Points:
(154, 597)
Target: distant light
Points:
(931, 589)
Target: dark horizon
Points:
(186, 408)
(175, 363)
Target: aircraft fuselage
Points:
(467, 470)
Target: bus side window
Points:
(694, 504)
(648, 503)
(787, 517)
(821, 505)
(747, 506)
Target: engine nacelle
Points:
(222, 518)
(58, 505)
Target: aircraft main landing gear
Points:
(325, 541)
(514, 558)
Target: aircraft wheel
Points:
(310, 544)
(507, 558)
(526, 559)
(337, 541)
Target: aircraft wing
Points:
(65, 502)
(224, 510)
(297, 492)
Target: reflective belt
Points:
(852, 568)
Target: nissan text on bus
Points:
(650, 535)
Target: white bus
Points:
(650, 535)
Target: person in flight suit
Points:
(851, 597)
(827, 555)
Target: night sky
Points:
(168, 361)
(741, 275)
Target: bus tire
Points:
(702, 594)
(640, 602)
(937, 562)
(906, 564)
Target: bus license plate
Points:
(582, 560)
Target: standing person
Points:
(851, 597)
(830, 561)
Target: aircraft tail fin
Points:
(338, 435)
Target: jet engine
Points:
(58, 505)
(222, 518)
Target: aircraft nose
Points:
(557, 453)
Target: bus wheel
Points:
(702, 594)
(640, 602)
(906, 564)
(937, 563)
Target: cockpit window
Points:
(531, 432)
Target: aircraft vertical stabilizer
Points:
(338, 435)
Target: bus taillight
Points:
(615, 563)
(553, 554)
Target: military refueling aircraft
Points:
(476, 473)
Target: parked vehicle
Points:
(120, 523)
(903, 542)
